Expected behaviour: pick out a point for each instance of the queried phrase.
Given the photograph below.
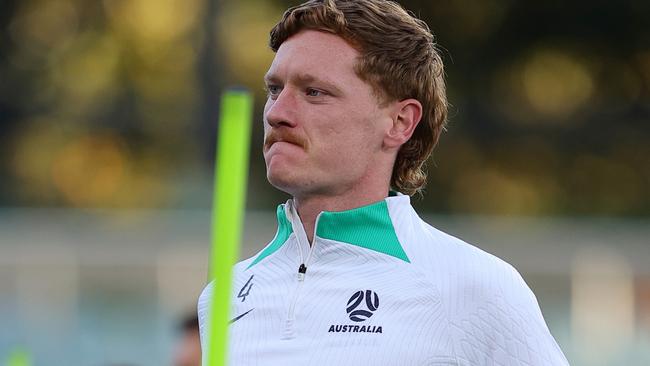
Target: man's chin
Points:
(280, 181)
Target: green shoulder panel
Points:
(284, 230)
(369, 227)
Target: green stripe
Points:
(368, 227)
(284, 230)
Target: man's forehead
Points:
(306, 60)
(315, 48)
(311, 38)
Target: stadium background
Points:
(108, 118)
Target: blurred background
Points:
(108, 119)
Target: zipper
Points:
(301, 237)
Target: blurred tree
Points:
(113, 103)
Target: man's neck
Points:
(310, 206)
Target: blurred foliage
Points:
(113, 103)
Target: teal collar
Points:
(368, 227)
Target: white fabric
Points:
(453, 304)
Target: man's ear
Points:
(408, 114)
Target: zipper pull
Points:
(301, 272)
(288, 332)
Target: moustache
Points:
(282, 136)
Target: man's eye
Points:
(272, 90)
(311, 92)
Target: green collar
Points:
(368, 227)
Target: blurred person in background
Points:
(356, 103)
(188, 349)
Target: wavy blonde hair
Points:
(399, 59)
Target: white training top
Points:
(379, 286)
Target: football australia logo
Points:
(358, 313)
(361, 306)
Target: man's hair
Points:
(399, 59)
(190, 323)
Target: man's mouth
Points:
(272, 139)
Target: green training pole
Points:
(231, 170)
(19, 357)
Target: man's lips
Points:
(272, 139)
(280, 146)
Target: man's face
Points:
(188, 349)
(323, 125)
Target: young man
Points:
(187, 351)
(356, 103)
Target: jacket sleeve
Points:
(202, 311)
(498, 322)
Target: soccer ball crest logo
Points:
(355, 307)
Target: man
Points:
(188, 349)
(356, 102)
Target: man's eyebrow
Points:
(302, 79)
(271, 78)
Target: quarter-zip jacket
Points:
(379, 286)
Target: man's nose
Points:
(282, 110)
